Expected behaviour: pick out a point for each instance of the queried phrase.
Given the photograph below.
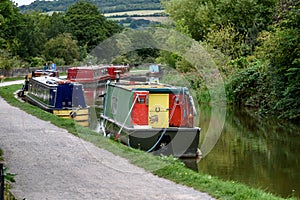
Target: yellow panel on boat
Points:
(158, 116)
(82, 112)
(68, 112)
(81, 117)
(62, 113)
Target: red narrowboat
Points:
(97, 74)
(94, 78)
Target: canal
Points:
(260, 152)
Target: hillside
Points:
(105, 6)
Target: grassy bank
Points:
(8, 178)
(167, 167)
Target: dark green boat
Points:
(153, 117)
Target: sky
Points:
(23, 2)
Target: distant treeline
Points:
(137, 15)
(103, 5)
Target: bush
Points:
(37, 62)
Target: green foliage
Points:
(59, 61)
(264, 72)
(168, 58)
(8, 62)
(8, 176)
(103, 5)
(249, 86)
(32, 38)
(53, 25)
(245, 17)
(228, 40)
(31, 34)
(280, 48)
(232, 67)
(62, 47)
(88, 25)
(137, 23)
(37, 62)
(10, 21)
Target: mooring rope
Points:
(118, 134)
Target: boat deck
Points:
(144, 85)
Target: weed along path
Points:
(51, 163)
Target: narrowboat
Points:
(155, 72)
(94, 78)
(97, 74)
(60, 97)
(153, 117)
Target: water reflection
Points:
(263, 153)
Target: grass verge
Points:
(166, 167)
(8, 178)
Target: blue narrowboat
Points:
(60, 97)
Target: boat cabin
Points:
(151, 105)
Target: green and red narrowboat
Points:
(152, 117)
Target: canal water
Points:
(260, 152)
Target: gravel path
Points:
(50, 163)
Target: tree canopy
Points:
(260, 41)
(88, 25)
(66, 36)
(103, 5)
(201, 17)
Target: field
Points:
(151, 15)
(134, 13)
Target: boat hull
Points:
(176, 141)
(81, 116)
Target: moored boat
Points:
(97, 74)
(60, 97)
(152, 117)
(94, 78)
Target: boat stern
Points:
(81, 116)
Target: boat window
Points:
(141, 100)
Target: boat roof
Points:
(149, 86)
(93, 67)
(51, 81)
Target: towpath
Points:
(50, 163)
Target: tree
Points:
(200, 17)
(88, 25)
(62, 47)
(10, 22)
(280, 48)
(31, 36)
(53, 25)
